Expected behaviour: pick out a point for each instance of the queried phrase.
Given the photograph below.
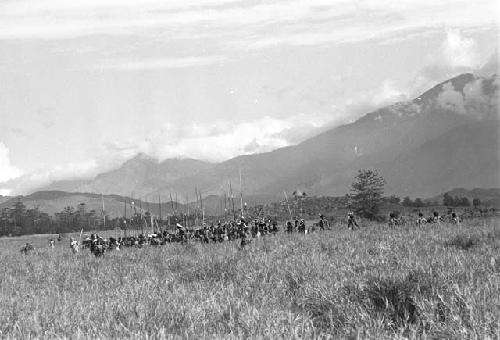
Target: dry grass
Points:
(408, 282)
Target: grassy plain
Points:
(377, 282)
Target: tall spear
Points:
(241, 196)
(187, 208)
(125, 215)
(196, 207)
(159, 208)
(201, 207)
(288, 206)
(171, 202)
(232, 199)
(225, 205)
(103, 213)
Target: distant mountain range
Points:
(490, 197)
(447, 137)
(52, 202)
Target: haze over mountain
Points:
(52, 202)
(445, 138)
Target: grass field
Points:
(409, 282)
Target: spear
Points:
(201, 207)
(241, 196)
(196, 207)
(159, 207)
(288, 206)
(232, 199)
(103, 213)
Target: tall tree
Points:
(366, 193)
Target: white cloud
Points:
(451, 99)
(248, 25)
(460, 51)
(165, 63)
(473, 102)
(23, 183)
(457, 54)
(7, 170)
(222, 140)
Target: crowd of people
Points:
(231, 230)
(216, 232)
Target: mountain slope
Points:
(52, 202)
(140, 176)
(423, 147)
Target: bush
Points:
(464, 242)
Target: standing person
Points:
(322, 222)
(302, 226)
(436, 218)
(52, 243)
(351, 221)
(274, 228)
(73, 244)
(421, 219)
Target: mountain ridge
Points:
(389, 138)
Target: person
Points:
(436, 218)
(52, 243)
(27, 248)
(351, 221)
(73, 244)
(392, 219)
(244, 237)
(454, 218)
(321, 223)
(302, 226)
(289, 227)
(181, 233)
(96, 246)
(274, 228)
(421, 219)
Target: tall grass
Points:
(376, 282)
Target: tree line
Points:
(20, 220)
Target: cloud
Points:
(22, 183)
(7, 170)
(451, 99)
(222, 140)
(247, 25)
(460, 51)
(474, 101)
(165, 63)
(457, 54)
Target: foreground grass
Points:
(426, 282)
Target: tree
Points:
(464, 202)
(418, 203)
(366, 193)
(407, 202)
(476, 202)
(448, 200)
(394, 199)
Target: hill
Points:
(489, 197)
(447, 137)
(52, 202)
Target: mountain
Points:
(140, 176)
(490, 197)
(447, 137)
(114, 205)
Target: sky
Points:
(85, 85)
